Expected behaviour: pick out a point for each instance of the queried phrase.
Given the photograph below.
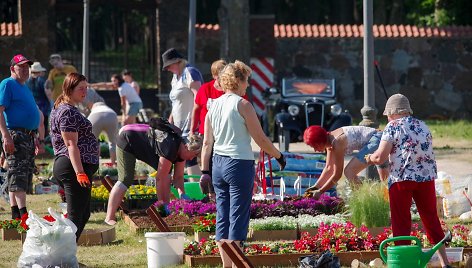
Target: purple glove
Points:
(206, 185)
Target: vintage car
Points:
(299, 104)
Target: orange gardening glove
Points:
(83, 179)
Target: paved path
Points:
(457, 163)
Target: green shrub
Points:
(369, 206)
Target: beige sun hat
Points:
(397, 104)
(37, 67)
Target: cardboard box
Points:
(91, 237)
(10, 234)
(49, 189)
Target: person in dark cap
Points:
(185, 83)
(408, 144)
(20, 119)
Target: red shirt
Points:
(207, 91)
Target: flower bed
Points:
(343, 239)
(260, 209)
(206, 252)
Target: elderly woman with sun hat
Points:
(408, 143)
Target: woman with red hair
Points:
(338, 143)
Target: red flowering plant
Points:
(269, 248)
(18, 224)
(10, 224)
(205, 223)
(206, 247)
(338, 237)
(203, 247)
(460, 236)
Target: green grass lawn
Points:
(129, 249)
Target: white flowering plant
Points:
(274, 223)
(308, 221)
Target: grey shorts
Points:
(106, 122)
(126, 164)
(134, 108)
(370, 148)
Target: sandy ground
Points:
(455, 162)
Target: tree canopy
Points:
(412, 12)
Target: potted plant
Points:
(204, 226)
(140, 196)
(10, 229)
(99, 198)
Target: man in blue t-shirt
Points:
(19, 122)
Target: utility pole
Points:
(369, 112)
(85, 41)
(191, 31)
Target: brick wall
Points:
(435, 74)
(33, 41)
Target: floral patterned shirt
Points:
(412, 157)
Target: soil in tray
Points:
(142, 220)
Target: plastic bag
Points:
(455, 204)
(323, 260)
(49, 243)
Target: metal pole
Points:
(369, 113)
(85, 44)
(191, 31)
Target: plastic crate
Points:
(142, 201)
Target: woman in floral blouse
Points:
(407, 142)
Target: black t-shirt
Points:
(148, 144)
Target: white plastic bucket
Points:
(164, 248)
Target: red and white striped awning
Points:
(262, 77)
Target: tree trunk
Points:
(233, 16)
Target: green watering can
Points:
(409, 256)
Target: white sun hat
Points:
(36, 67)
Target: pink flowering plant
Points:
(460, 236)
(203, 247)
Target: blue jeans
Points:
(233, 180)
(370, 147)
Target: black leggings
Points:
(77, 197)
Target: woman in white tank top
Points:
(230, 123)
(338, 143)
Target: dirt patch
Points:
(455, 162)
(142, 220)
